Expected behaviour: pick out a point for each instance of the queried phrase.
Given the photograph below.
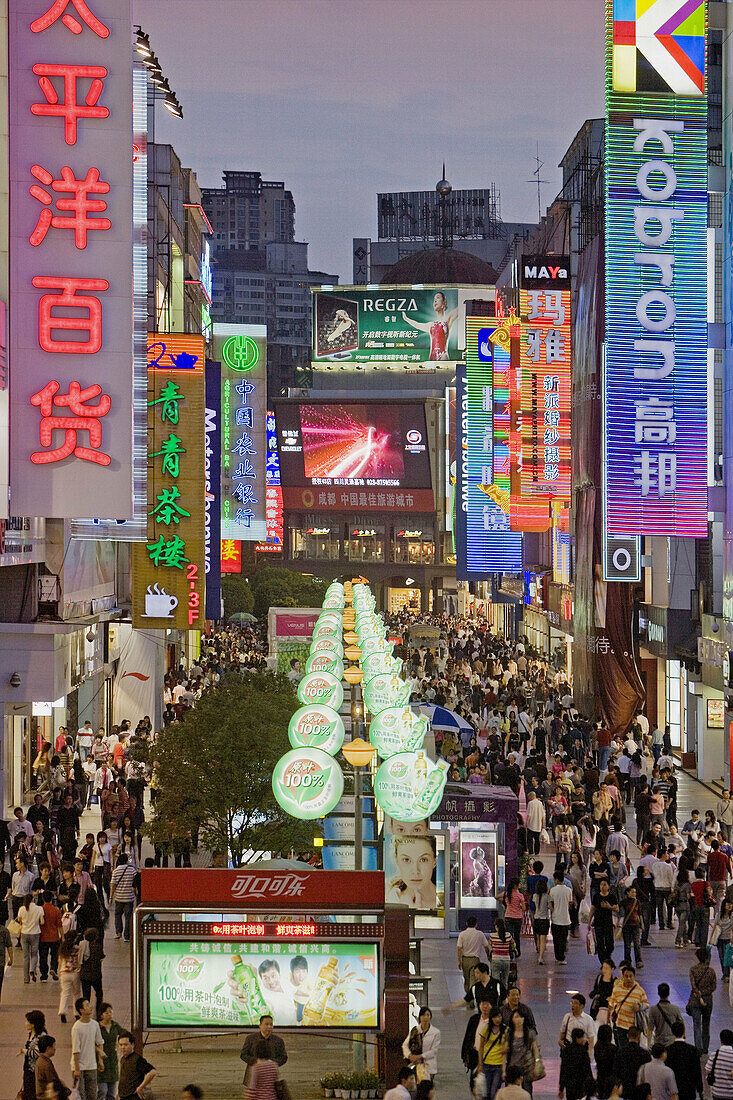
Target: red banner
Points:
(231, 556)
(263, 890)
(340, 499)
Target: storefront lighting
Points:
(15, 680)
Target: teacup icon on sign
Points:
(158, 604)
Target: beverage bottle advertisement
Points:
(230, 984)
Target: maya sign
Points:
(71, 226)
(655, 393)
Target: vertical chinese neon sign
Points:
(655, 399)
(71, 252)
(242, 352)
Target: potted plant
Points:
(327, 1083)
(339, 1084)
(352, 1086)
(370, 1083)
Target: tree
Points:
(284, 588)
(214, 770)
(237, 593)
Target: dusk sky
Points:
(342, 99)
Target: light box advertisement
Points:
(390, 326)
(414, 871)
(484, 542)
(367, 455)
(195, 984)
(655, 382)
(168, 570)
(242, 352)
(478, 852)
(71, 259)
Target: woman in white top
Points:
(421, 1046)
(30, 918)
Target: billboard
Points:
(479, 868)
(414, 871)
(204, 982)
(545, 359)
(391, 327)
(71, 238)
(231, 556)
(242, 352)
(367, 455)
(168, 570)
(655, 386)
(212, 510)
(485, 544)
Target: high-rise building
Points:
(260, 272)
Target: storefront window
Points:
(412, 546)
(315, 543)
(366, 544)
(674, 703)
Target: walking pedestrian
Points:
(719, 1067)
(48, 1082)
(69, 981)
(625, 1001)
(576, 1077)
(472, 944)
(703, 982)
(87, 1050)
(561, 897)
(135, 1072)
(30, 917)
(36, 1027)
(48, 944)
(108, 1077)
(123, 896)
(91, 954)
(501, 947)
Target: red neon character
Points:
(80, 205)
(48, 322)
(70, 110)
(58, 8)
(86, 418)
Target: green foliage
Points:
(214, 770)
(237, 594)
(282, 588)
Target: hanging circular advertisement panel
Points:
(408, 787)
(317, 727)
(321, 687)
(307, 783)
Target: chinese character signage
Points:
(231, 556)
(213, 491)
(169, 568)
(544, 306)
(71, 224)
(656, 265)
(273, 494)
(485, 543)
(242, 352)
(340, 456)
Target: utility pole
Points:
(540, 164)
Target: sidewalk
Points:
(214, 1064)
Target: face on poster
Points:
(230, 985)
(478, 854)
(413, 870)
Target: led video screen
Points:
(366, 445)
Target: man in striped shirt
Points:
(123, 895)
(720, 1065)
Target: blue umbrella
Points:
(441, 718)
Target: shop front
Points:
(713, 764)
(560, 618)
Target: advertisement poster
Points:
(414, 871)
(368, 455)
(478, 869)
(214, 985)
(716, 714)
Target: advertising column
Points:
(71, 220)
(169, 569)
(242, 352)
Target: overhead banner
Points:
(655, 390)
(242, 352)
(212, 512)
(231, 556)
(169, 569)
(545, 309)
(71, 229)
(391, 327)
(485, 543)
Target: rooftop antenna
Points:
(444, 188)
(540, 164)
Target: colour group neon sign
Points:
(656, 267)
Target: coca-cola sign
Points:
(263, 889)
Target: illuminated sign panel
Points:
(485, 543)
(242, 352)
(71, 226)
(273, 494)
(169, 568)
(390, 327)
(544, 306)
(231, 556)
(655, 390)
(342, 456)
(212, 466)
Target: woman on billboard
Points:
(438, 330)
(413, 878)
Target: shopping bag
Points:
(590, 942)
